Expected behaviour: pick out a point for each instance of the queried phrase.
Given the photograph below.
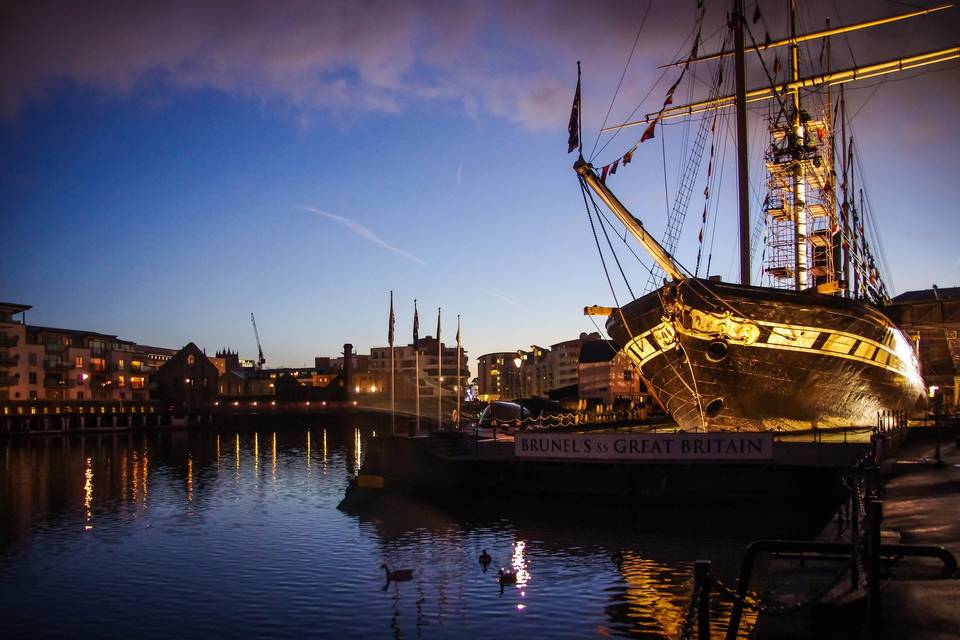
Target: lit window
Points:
(120, 363)
(121, 381)
(136, 382)
(78, 362)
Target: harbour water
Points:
(200, 534)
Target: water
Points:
(198, 534)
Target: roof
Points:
(927, 295)
(31, 328)
(14, 307)
(597, 351)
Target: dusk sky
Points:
(169, 167)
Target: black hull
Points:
(721, 356)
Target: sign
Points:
(625, 447)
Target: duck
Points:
(485, 559)
(398, 575)
(507, 576)
(617, 558)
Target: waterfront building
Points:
(187, 379)
(932, 318)
(497, 376)
(606, 376)
(431, 375)
(50, 363)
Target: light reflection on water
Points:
(215, 551)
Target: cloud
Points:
(510, 59)
(343, 57)
(364, 233)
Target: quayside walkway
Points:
(921, 506)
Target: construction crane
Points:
(256, 334)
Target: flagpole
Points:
(439, 375)
(459, 390)
(416, 366)
(416, 360)
(393, 409)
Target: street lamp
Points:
(518, 362)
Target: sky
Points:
(167, 168)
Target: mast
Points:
(660, 255)
(845, 208)
(743, 187)
(799, 190)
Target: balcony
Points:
(9, 341)
(54, 364)
(8, 380)
(57, 383)
(7, 360)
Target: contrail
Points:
(500, 296)
(365, 233)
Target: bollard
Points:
(875, 516)
(701, 582)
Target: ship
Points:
(810, 350)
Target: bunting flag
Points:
(603, 173)
(613, 167)
(392, 319)
(573, 128)
(416, 325)
(756, 14)
(628, 156)
(650, 131)
(776, 65)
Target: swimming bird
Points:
(399, 575)
(508, 576)
(485, 559)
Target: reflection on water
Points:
(215, 551)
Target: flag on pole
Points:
(573, 128)
(438, 324)
(390, 332)
(458, 331)
(416, 325)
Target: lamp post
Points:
(518, 362)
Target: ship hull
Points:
(721, 356)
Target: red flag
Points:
(390, 331)
(603, 173)
(613, 168)
(628, 156)
(649, 133)
(573, 128)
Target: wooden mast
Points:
(743, 188)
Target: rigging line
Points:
(625, 243)
(584, 192)
(846, 37)
(663, 155)
(606, 272)
(871, 219)
(663, 73)
(766, 72)
(643, 21)
(716, 211)
(612, 250)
